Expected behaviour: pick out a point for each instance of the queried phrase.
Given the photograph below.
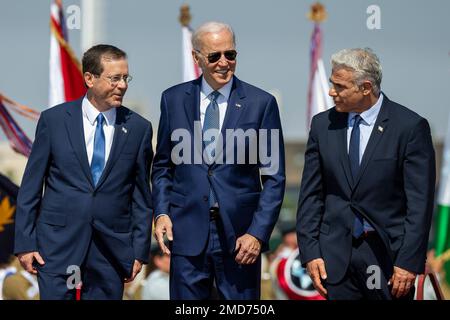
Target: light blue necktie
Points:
(98, 157)
(211, 121)
(353, 154)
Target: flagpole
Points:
(190, 70)
(318, 98)
(93, 23)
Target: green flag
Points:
(442, 226)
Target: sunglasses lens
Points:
(230, 55)
(214, 57)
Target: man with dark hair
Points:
(367, 192)
(92, 156)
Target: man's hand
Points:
(248, 248)
(163, 225)
(137, 267)
(402, 280)
(26, 260)
(316, 270)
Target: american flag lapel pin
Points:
(380, 128)
(124, 130)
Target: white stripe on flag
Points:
(320, 101)
(189, 67)
(56, 81)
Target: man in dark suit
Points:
(217, 199)
(93, 220)
(367, 190)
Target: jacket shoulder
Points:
(252, 90)
(60, 109)
(402, 113)
(181, 87)
(135, 117)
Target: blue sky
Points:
(272, 40)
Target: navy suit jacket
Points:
(394, 189)
(60, 221)
(249, 202)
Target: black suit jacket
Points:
(394, 189)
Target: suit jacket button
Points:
(210, 172)
(205, 198)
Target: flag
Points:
(442, 220)
(16, 136)
(190, 70)
(66, 80)
(318, 98)
(8, 196)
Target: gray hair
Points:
(210, 27)
(363, 62)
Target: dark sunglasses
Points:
(213, 57)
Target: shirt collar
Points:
(224, 91)
(91, 113)
(370, 115)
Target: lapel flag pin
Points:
(124, 130)
(238, 105)
(380, 128)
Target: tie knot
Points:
(100, 119)
(358, 120)
(214, 95)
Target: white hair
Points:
(363, 62)
(210, 27)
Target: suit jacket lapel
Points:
(74, 126)
(378, 131)
(121, 133)
(192, 110)
(340, 142)
(235, 108)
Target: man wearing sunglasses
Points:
(218, 216)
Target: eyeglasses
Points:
(114, 80)
(213, 57)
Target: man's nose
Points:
(122, 84)
(332, 92)
(223, 61)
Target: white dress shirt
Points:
(90, 114)
(369, 117)
(222, 100)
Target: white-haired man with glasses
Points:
(84, 208)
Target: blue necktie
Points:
(353, 154)
(211, 122)
(98, 157)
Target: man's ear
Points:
(88, 79)
(195, 57)
(367, 87)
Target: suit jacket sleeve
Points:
(142, 199)
(419, 174)
(162, 171)
(30, 192)
(311, 200)
(272, 176)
